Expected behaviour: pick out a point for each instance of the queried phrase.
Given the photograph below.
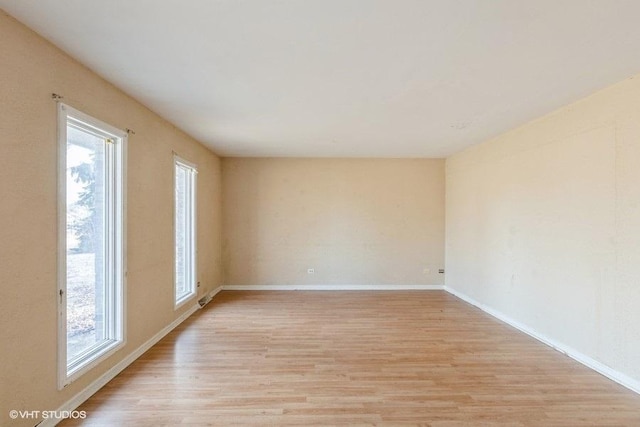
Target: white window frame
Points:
(191, 260)
(115, 280)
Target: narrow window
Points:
(185, 230)
(91, 276)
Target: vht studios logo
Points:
(54, 415)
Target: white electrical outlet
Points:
(311, 271)
(426, 271)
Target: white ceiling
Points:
(361, 78)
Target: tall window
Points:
(91, 295)
(185, 230)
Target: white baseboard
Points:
(101, 381)
(333, 287)
(599, 367)
(214, 292)
(208, 297)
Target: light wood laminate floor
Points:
(355, 358)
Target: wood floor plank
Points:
(354, 358)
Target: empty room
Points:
(320, 212)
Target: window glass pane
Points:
(185, 179)
(85, 230)
(182, 234)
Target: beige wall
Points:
(543, 225)
(355, 221)
(31, 70)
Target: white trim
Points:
(101, 381)
(91, 121)
(215, 292)
(61, 292)
(115, 253)
(185, 163)
(345, 287)
(192, 256)
(612, 374)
